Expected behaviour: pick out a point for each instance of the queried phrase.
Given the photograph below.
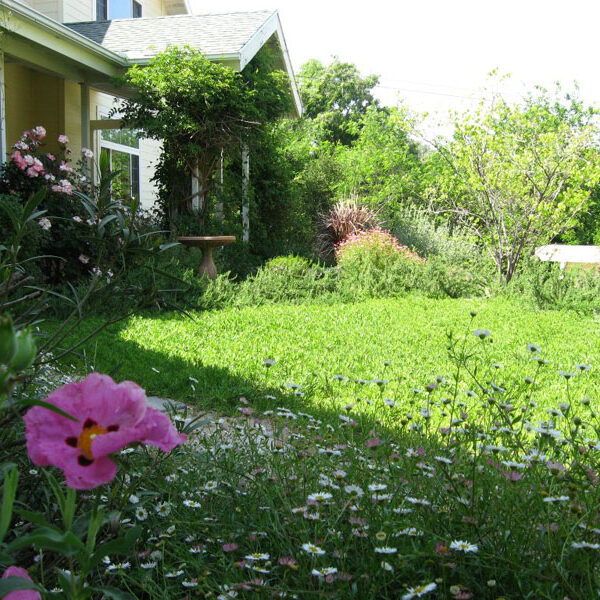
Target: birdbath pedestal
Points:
(206, 244)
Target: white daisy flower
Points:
(386, 550)
(312, 549)
(141, 514)
(257, 556)
(462, 546)
(319, 497)
(173, 574)
(324, 572)
(377, 487)
(163, 508)
(354, 490)
(419, 591)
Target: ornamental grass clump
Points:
(346, 217)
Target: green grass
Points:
(225, 350)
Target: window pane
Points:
(135, 176)
(101, 10)
(137, 10)
(121, 169)
(120, 9)
(125, 137)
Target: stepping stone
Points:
(163, 404)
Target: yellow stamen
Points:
(84, 443)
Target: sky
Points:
(436, 54)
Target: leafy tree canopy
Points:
(198, 107)
(337, 96)
(524, 170)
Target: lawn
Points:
(366, 454)
(212, 359)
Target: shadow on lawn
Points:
(203, 386)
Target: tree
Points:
(198, 108)
(383, 166)
(336, 96)
(524, 171)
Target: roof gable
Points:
(231, 38)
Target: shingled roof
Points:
(215, 35)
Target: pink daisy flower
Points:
(110, 417)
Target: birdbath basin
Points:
(206, 244)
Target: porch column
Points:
(245, 191)
(3, 148)
(219, 204)
(85, 115)
(195, 190)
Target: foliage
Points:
(585, 227)
(525, 169)
(372, 264)
(550, 287)
(74, 537)
(198, 109)
(383, 167)
(336, 97)
(346, 217)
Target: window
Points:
(122, 146)
(118, 9)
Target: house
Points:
(59, 58)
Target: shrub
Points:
(551, 287)
(290, 266)
(286, 279)
(373, 263)
(346, 217)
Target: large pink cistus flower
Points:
(110, 417)
(20, 594)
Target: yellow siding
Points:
(72, 121)
(26, 107)
(77, 10)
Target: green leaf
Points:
(11, 479)
(45, 538)
(106, 220)
(37, 518)
(10, 584)
(120, 546)
(114, 593)
(47, 405)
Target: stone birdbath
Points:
(206, 244)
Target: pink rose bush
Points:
(20, 594)
(110, 416)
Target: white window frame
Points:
(119, 148)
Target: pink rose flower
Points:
(38, 132)
(51, 157)
(17, 158)
(20, 594)
(110, 417)
(63, 139)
